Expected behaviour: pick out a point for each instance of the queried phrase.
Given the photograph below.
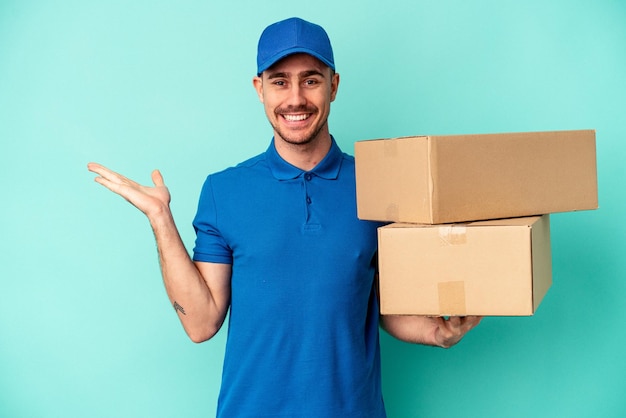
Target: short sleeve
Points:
(210, 245)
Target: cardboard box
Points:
(444, 179)
(500, 268)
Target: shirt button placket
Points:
(308, 177)
(307, 198)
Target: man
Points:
(279, 245)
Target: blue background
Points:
(86, 329)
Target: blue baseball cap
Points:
(292, 36)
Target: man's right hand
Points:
(199, 292)
(149, 200)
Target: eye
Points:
(310, 82)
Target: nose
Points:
(296, 95)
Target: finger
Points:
(112, 180)
(111, 177)
(462, 324)
(473, 320)
(102, 171)
(114, 186)
(454, 321)
(467, 323)
(95, 167)
(157, 178)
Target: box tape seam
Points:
(453, 234)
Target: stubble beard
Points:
(295, 139)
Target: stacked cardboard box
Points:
(469, 232)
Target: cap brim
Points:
(291, 51)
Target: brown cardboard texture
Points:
(492, 268)
(460, 178)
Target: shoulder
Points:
(241, 170)
(347, 164)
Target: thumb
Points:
(157, 178)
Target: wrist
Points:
(160, 215)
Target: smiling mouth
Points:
(296, 118)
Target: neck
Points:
(304, 156)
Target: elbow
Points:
(201, 335)
(198, 338)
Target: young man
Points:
(280, 246)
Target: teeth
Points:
(294, 118)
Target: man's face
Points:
(296, 93)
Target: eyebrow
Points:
(303, 74)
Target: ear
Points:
(257, 82)
(334, 86)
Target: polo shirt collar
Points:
(328, 168)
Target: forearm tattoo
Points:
(177, 307)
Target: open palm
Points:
(147, 199)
